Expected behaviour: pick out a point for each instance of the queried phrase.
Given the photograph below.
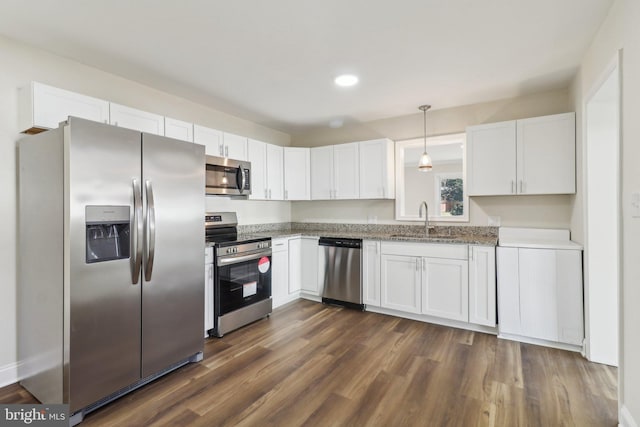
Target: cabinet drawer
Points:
(279, 245)
(430, 250)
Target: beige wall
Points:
(528, 211)
(22, 64)
(619, 31)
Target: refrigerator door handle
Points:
(136, 241)
(151, 231)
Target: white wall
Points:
(619, 31)
(526, 211)
(20, 65)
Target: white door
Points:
(309, 265)
(376, 169)
(210, 138)
(295, 265)
(491, 159)
(235, 146)
(280, 272)
(322, 173)
(371, 273)
(275, 172)
(257, 154)
(346, 171)
(400, 283)
(445, 291)
(178, 129)
(546, 155)
(482, 285)
(297, 173)
(131, 118)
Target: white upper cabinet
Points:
(210, 138)
(43, 107)
(491, 159)
(546, 155)
(275, 172)
(530, 156)
(297, 173)
(376, 169)
(335, 172)
(322, 173)
(235, 146)
(266, 170)
(178, 129)
(132, 118)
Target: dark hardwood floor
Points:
(316, 365)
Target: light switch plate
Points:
(635, 205)
(494, 221)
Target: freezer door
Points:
(173, 265)
(102, 338)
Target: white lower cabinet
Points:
(445, 288)
(280, 271)
(540, 294)
(309, 265)
(295, 265)
(482, 285)
(371, 273)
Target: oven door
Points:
(242, 280)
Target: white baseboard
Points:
(9, 374)
(626, 420)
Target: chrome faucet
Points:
(426, 217)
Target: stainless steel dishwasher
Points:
(341, 266)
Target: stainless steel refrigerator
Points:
(111, 266)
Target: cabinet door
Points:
(44, 107)
(131, 118)
(178, 129)
(208, 298)
(570, 298)
(346, 171)
(295, 265)
(445, 291)
(280, 272)
(309, 250)
(546, 155)
(297, 173)
(538, 295)
(235, 146)
(400, 283)
(482, 285)
(210, 138)
(322, 173)
(275, 172)
(508, 290)
(371, 272)
(491, 159)
(376, 169)
(257, 153)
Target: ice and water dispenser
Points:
(107, 233)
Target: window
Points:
(449, 194)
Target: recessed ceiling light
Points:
(346, 80)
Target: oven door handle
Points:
(241, 258)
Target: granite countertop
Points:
(466, 239)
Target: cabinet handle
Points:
(269, 194)
(513, 190)
(266, 195)
(521, 187)
(221, 149)
(417, 267)
(286, 194)
(226, 151)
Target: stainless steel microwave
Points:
(228, 177)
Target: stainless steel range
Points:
(242, 284)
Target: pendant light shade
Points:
(425, 165)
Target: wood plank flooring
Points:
(316, 365)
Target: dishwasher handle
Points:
(340, 242)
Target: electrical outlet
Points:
(494, 221)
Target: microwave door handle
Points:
(240, 179)
(136, 234)
(151, 231)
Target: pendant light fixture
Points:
(425, 165)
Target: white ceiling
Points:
(273, 61)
